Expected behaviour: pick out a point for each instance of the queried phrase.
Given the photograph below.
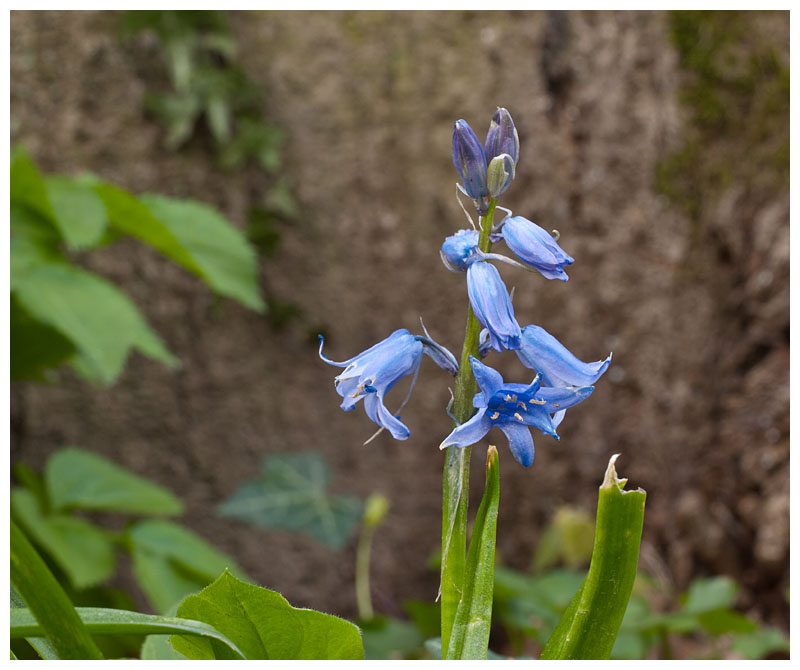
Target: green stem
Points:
(53, 611)
(455, 480)
(363, 597)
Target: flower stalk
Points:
(455, 480)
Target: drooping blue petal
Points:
(520, 441)
(468, 432)
(492, 306)
(469, 160)
(536, 247)
(376, 410)
(558, 417)
(458, 249)
(489, 380)
(542, 352)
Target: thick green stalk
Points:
(455, 481)
(469, 639)
(589, 627)
(55, 616)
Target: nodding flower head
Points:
(502, 137)
(536, 247)
(470, 160)
(371, 374)
(459, 250)
(514, 409)
(492, 305)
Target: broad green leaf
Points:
(98, 318)
(170, 562)
(102, 621)
(227, 262)
(132, 217)
(469, 639)
(720, 621)
(386, 638)
(54, 615)
(264, 625)
(27, 186)
(158, 648)
(760, 643)
(81, 549)
(292, 494)
(35, 347)
(590, 625)
(710, 593)
(79, 212)
(629, 646)
(34, 240)
(77, 478)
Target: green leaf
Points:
(27, 186)
(291, 494)
(41, 645)
(720, 621)
(57, 619)
(79, 213)
(469, 639)
(80, 479)
(434, 646)
(590, 625)
(227, 262)
(170, 562)
(35, 347)
(102, 621)
(158, 648)
(710, 593)
(81, 549)
(132, 217)
(98, 318)
(759, 644)
(264, 625)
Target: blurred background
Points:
(656, 143)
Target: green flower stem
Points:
(455, 481)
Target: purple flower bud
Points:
(470, 160)
(502, 137)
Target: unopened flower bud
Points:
(502, 137)
(470, 160)
(375, 509)
(499, 175)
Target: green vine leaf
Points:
(292, 494)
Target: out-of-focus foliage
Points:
(61, 313)
(169, 560)
(292, 494)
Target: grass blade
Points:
(102, 621)
(55, 617)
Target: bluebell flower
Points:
(536, 247)
(469, 160)
(556, 364)
(502, 137)
(492, 305)
(514, 409)
(371, 374)
(459, 250)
